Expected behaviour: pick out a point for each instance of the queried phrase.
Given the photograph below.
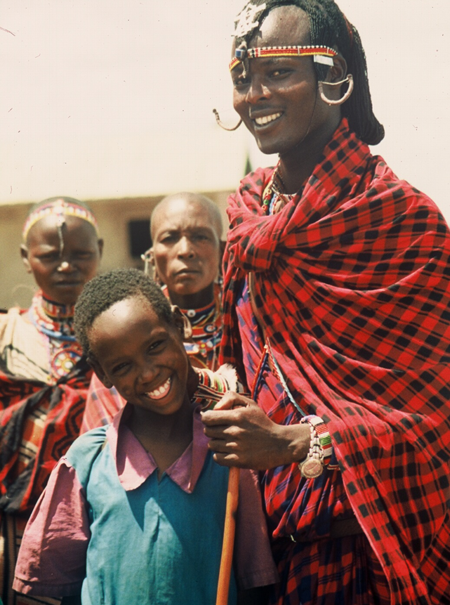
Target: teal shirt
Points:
(156, 544)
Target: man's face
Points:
(186, 247)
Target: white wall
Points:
(106, 98)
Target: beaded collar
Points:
(52, 319)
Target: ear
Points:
(339, 70)
(182, 323)
(100, 246)
(24, 255)
(100, 373)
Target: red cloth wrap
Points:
(352, 284)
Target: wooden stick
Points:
(226, 560)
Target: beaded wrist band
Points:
(321, 448)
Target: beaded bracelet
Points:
(320, 450)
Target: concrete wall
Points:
(113, 216)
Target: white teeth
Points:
(161, 391)
(267, 119)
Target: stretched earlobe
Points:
(344, 98)
(24, 255)
(182, 323)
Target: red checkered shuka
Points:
(351, 280)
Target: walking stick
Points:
(226, 560)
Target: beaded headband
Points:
(59, 208)
(321, 54)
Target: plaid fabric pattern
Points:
(351, 280)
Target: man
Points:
(186, 229)
(336, 299)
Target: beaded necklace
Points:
(273, 200)
(206, 327)
(55, 324)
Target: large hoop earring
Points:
(347, 94)
(216, 113)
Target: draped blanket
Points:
(38, 423)
(351, 280)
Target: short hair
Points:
(106, 289)
(330, 27)
(190, 197)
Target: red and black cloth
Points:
(38, 423)
(352, 282)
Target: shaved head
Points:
(185, 200)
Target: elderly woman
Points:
(43, 375)
(336, 311)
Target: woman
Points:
(336, 297)
(44, 377)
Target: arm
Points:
(242, 435)
(52, 555)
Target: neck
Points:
(299, 163)
(165, 437)
(198, 300)
(54, 309)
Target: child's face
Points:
(142, 356)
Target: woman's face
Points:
(62, 268)
(278, 99)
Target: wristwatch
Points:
(312, 466)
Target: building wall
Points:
(17, 286)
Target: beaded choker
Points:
(321, 54)
(52, 319)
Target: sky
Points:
(109, 99)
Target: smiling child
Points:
(134, 512)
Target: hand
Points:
(242, 435)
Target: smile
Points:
(267, 119)
(161, 391)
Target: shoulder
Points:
(86, 446)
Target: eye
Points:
(279, 72)
(156, 345)
(49, 257)
(83, 255)
(120, 369)
(200, 237)
(239, 80)
(170, 238)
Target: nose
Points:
(147, 372)
(185, 248)
(257, 90)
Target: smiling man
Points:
(186, 229)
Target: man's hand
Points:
(242, 435)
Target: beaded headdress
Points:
(246, 22)
(59, 208)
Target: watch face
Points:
(311, 468)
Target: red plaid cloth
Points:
(352, 284)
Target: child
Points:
(134, 512)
